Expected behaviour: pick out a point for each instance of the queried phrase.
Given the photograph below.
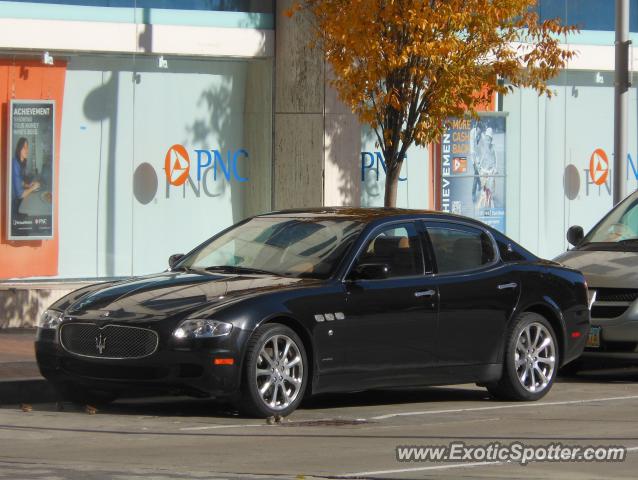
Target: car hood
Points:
(604, 269)
(169, 293)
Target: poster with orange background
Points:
(32, 80)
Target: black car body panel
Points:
(358, 334)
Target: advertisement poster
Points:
(30, 174)
(473, 169)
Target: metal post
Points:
(621, 97)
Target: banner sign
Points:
(473, 169)
(31, 151)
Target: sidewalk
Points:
(20, 379)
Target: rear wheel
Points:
(530, 360)
(275, 372)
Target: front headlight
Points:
(50, 319)
(202, 329)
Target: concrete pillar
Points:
(342, 160)
(258, 138)
(317, 138)
(299, 114)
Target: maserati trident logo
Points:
(100, 343)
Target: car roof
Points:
(367, 214)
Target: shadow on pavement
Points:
(194, 407)
(601, 375)
(190, 407)
(147, 406)
(396, 397)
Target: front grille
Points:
(608, 311)
(110, 341)
(616, 294)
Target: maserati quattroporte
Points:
(296, 303)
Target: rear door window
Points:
(460, 248)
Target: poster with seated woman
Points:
(31, 149)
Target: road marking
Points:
(421, 469)
(379, 426)
(500, 407)
(182, 429)
(251, 425)
(215, 427)
(440, 467)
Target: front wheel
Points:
(530, 360)
(275, 372)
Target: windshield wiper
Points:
(628, 240)
(237, 269)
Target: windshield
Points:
(621, 224)
(293, 247)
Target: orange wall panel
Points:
(29, 80)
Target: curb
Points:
(26, 390)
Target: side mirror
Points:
(371, 271)
(575, 235)
(173, 259)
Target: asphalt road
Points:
(339, 436)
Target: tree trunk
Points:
(392, 183)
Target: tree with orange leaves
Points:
(405, 66)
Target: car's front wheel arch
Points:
(275, 371)
(305, 337)
(303, 334)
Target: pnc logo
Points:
(599, 174)
(378, 156)
(208, 167)
(177, 165)
(599, 167)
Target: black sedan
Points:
(296, 303)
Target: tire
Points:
(270, 386)
(78, 394)
(519, 357)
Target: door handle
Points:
(424, 293)
(505, 286)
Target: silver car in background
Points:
(608, 257)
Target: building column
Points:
(299, 114)
(317, 141)
(342, 160)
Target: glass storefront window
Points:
(560, 155)
(411, 192)
(153, 159)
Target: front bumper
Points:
(175, 368)
(618, 323)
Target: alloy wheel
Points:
(279, 372)
(535, 357)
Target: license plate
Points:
(593, 340)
